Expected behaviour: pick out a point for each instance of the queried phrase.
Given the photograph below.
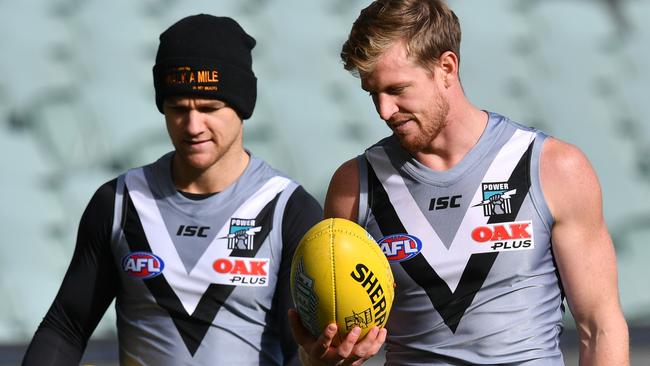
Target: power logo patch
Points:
(400, 247)
(241, 233)
(496, 198)
(241, 271)
(142, 265)
(505, 237)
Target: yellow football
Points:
(340, 275)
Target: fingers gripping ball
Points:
(339, 274)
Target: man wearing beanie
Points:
(196, 247)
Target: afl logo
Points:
(400, 247)
(142, 265)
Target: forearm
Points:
(605, 345)
(48, 348)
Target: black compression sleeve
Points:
(300, 214)
(87, 289)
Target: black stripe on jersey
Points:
(520, 179)
(450, 305)
(192, 328)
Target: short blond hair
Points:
(428, 28)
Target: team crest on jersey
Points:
(241, 233)
(142, 265)
(400, 247)
(505, 237)
(496, 198)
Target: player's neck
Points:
(215, 178)
(463, 129)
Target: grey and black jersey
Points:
(196, 281)
(470, 251)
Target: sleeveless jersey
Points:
(470, 251)
(198, 277)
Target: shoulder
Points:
(301, 212)
(104, 196)
(342, 198)
(568, 179)
(563, 156)
(302, 201)
(565, 164)
(97, 219)
(348, 171)
(260, 171)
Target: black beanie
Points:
(206, 56)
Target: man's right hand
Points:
(320, 351)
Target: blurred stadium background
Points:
(77, 108)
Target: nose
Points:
(195, 124)
(386, 106)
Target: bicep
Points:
(342, 198)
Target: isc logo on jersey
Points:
(241, 271)
(142, 265)
(400, 247)
(505, 237)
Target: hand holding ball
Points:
(340, 275)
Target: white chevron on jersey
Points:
(190, 287)
(446, 261)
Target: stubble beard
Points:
(200, 162)
(429, 128)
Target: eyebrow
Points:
(395, 85)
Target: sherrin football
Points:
(339, 274)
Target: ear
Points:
(448, 66)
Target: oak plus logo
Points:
(505, 236)
(242, 271)
(496, 198)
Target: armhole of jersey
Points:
(536, 193)
(362, 214)
(119, 210)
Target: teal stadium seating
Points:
(77, 107)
